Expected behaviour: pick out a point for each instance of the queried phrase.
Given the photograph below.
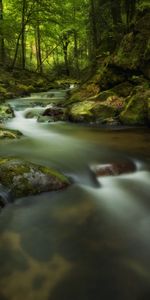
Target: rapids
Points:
(91, 241)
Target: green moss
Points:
(24, 178)
(90, 111)
(10, 134)
(82, 111)
(136, 111)
(55, 174)
(102, 96)
(123, 89)
(102, 112)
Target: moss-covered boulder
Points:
(87, 90)
(136, 111)
(91, 111)
(9, 134)
(6, 112)
(82, 111)
(25, 178)
(123, 89)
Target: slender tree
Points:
(2, 43)
(130, 8)
(23, 26)
(116, 12)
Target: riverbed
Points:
(90, 241)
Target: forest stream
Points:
(90, 241)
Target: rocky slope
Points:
(118, 92)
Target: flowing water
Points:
(90, 241)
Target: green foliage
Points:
(63, 37)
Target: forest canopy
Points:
(62, 36)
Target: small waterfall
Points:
(5, 196)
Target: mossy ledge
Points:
(25, 178)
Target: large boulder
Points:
(25, 178)
(136, 111)
(98, 112)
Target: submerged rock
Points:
(113, 169)
(25, 178)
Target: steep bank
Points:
(119, 89)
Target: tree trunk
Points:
(2, 43)
(38, 49)
(74, 8)
(38, 41)
(16, 51)
(76, 54)
(116, 11)
(65, 50)
(23, 34)
(94, 29)
(130, 8)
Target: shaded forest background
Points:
(63, 37)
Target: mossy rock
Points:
(102, 112)
(136, 111)
(110, 77)
(123, 89)
(6, 112)
(25, 178)
(82, 112)
(102, 96)
(90, 111)
(23, 89)
(87, 90)
(9, 134)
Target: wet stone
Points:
(113, 169)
